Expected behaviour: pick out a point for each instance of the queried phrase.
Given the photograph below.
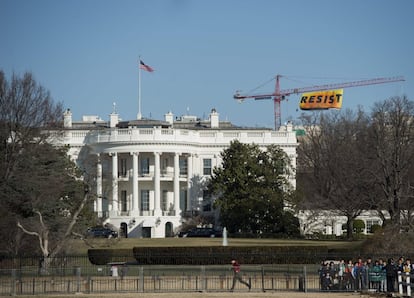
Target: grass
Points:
(80, 247)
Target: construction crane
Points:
(279, 95)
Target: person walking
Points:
(237, 275)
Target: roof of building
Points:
(92, 122)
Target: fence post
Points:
(13, 283)
(141, 278)
(78, 279)
(305, 287)
(89, 285)
(203, 278)
(263, 282)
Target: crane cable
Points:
(260, 86)
(292, 79)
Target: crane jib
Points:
(263, 97)
(279, 94)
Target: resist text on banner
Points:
(322, 100)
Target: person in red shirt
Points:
(237, 276)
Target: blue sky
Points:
(86, 52)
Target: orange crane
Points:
(279, 95)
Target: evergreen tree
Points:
(43, 194)
(252, 190)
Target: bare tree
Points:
(391, 157)
(349, 162)
(40, 186)
(330, 172)
(27, 109)
(41, 232)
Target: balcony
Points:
(139, 135)
(167, 173)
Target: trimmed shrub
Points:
(218, 255)
(106, 256)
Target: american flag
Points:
(145, 67)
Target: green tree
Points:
(252, 190)
(359, 226)
(42, 192)
(53, 200)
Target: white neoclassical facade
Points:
(150, 173)
(329, 222)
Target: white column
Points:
(189, 177)
(135, 206)
(99, 187)
(114, 181)
(177, 184)
(157, 186)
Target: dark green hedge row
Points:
(218, 255)
(106, 256)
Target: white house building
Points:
(151, 173)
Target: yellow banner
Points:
(321, 100)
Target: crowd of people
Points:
(380, 274)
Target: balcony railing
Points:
(184, 136)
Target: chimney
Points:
(289, 126)
(169, 117)
(67, 119)
(214, 119)
(113, 119)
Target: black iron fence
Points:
(120, 277)
(26, 276)
(405, 283)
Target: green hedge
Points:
(105, 256)
(217, 255)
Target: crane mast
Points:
(279, 95)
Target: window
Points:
(124, 202)
(371, 223)
(165, 165)
(183, 166)
(123, 164)
(183, 199)
(206, 201)
(207, 166)
(164, 200)
(145, 166)
(145, 200)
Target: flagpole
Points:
(139, 116)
